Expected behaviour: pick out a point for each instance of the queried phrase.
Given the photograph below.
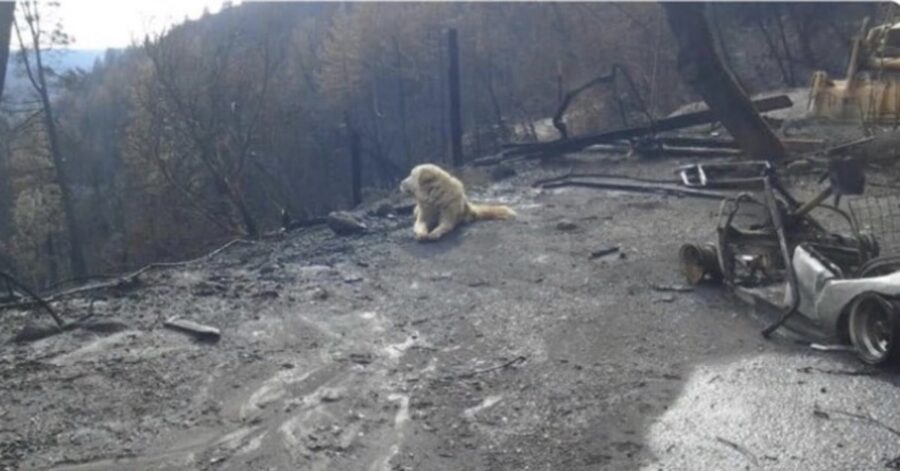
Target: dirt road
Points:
(504, 347)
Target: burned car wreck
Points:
(825, 285)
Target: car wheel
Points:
(873, 329)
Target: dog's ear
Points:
(427, 177)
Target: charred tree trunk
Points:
(442, 98)
(7, 10)
(566, 100)
(607, 79)
(784, 65)
(805, 32)
(247, 220)
(701, 67)
(52, 267)
(489, 81)
(401, 103)
(495, 101)
(720, 36)
(355, 167)
(788, 59)
(455, 107)
(37, 77)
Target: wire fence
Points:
(878, 216)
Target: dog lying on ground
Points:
(441, 203)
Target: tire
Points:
(880, 266)
(874, 329)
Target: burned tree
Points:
(7, 11)
(31, 46)
(610, 78)
(203, 106)
(455, 113)
(701, 67)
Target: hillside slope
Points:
(504, 347)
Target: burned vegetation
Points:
(209, 255)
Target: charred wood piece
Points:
(563, 146)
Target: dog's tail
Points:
(490, 211)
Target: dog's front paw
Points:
(420, 232)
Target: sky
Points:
(101, 24)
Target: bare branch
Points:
(23, 53)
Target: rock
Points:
(361, 358)
(441, 276)
(318, 293)
(199, 331)
(332, 394)
(502, 172)
(352, 278)
(345, 223)
(566, 225)
(604, 252)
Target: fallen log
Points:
(124, 282)
(37, 299)
(707, 144)
(667, 124)
(199, 331)
(660, 151)
(848, 146)
(795, 144)
(623, 184)
(699, 146)
(612, 176)
(678, 151)
(667, 146)
(698, 141)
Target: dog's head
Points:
(419, 179)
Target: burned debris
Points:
(769, 247)
(613, 323)
(345, 223)
(868, 92)
(686, 120)
(203, 333)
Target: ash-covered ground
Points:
(506, 346)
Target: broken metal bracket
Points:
(725, 175)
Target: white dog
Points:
(441, 203)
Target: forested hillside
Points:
(211, 130)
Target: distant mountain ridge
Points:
(79, 58)
(61, 61)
